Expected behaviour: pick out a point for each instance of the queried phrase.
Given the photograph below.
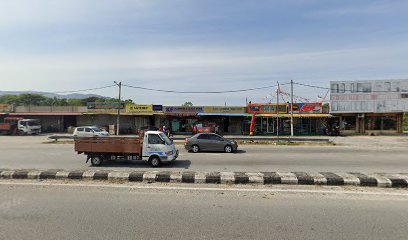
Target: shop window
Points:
(353, 88)
(342, 88)
(387, 87)
(268, 109)
(366, 87)
(335, 88)
(381, 123)
(349, 123)
(282, 109)
(389, 123)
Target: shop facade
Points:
(220, 119)
(274, 119)
(369, 107)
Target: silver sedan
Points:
(210, 142)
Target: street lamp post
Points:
(119, 105)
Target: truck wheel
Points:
(195, 149)
(20, 133)
(155, 162)
(96, 161)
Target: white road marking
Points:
(381, 193)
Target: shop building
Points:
(275, 119)
(220, 119)
(369, 107)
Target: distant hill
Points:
(51, 95)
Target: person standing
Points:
(195, 129)
(164, 129)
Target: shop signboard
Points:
(182, 111)
(220, 109)
(267, 108)
(104, 105)
(137, 108)
(157, 108)
(306, 108)
(4, 107)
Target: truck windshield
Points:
(33, 123)
(165, 138)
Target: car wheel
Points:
(96, 161)
(155, 161)
(228, 149)
(195, 148)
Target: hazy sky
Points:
(193, 45)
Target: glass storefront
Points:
(381, 123)
(301, 126)
(348, 123)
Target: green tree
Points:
(405, 122)
(187, 104)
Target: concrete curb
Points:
(256, 178)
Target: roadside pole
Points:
(291, 108)
(277, 112)
(119, 105)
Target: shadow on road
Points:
(236, 152)
(141, 164)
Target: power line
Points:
(312, 86)
(84, 90)
(204, 92)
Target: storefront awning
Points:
(297, 115)
(224, 114)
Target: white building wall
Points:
(372, 96)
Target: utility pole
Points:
(291, 108)
(119, 105)
(277, 112)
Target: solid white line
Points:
(210, 189)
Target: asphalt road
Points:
(83, 212)
(352, 154)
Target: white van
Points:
(89, 131)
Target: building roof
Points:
(45, 114)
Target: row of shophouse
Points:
(357, 107)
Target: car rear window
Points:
(203, 136)
(80, 129)
(87, 130)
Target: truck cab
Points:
(20, 126)
(29, 126)
(158, 147)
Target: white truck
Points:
(153, 147)
(20, 126)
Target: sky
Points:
(201, 45)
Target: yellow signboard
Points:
(220, 109)
(137, 108)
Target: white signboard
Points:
(376, 96)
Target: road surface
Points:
(352, 154)
(99, 212)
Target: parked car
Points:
(89, 131)
(147, 128)
(210, 142)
